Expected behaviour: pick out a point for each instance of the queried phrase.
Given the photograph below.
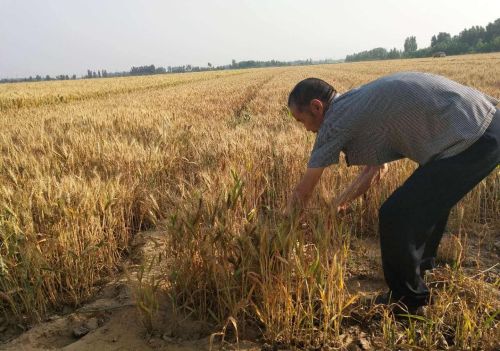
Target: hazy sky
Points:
(68, 36)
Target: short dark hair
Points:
(309, 89)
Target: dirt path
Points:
(113, 322)
(117, 330)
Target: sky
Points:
(70, 36)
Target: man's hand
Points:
(344, 209)
(303, 191)
(370, 175)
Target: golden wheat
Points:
(86, 164)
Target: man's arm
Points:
(367, 177)
(303, 190)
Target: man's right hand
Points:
(303, 191)
(369, 176)
(343, 209)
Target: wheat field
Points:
(211, 159)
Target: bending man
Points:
(452, 131)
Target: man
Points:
(450, 130)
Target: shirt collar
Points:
(331, 101)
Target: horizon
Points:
(58, 38)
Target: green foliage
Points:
(410, 44)
(394, 54)
(441, 38)
(492, 31)
(471, 40)
(373, 54)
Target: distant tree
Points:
(178, 69)
(209, 65)
(394, 54)
(442, 37)
(410, 45)
(472, 36)
(374, 54)
(38, 78)
(233, 63)
(104, 73)
(47, 77)
(481, 46)
(94, 74)
(73, 76)
(99, 74)
(143, 70)
(495, 44)
(492, 31)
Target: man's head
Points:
(309, 100)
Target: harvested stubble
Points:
(216, 156)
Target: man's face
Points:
(311, 117)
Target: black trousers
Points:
(412, 220)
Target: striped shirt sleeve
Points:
(492, 99)
(326, 150)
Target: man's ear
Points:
(316, 106)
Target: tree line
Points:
(472, 40)
(152, 69)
